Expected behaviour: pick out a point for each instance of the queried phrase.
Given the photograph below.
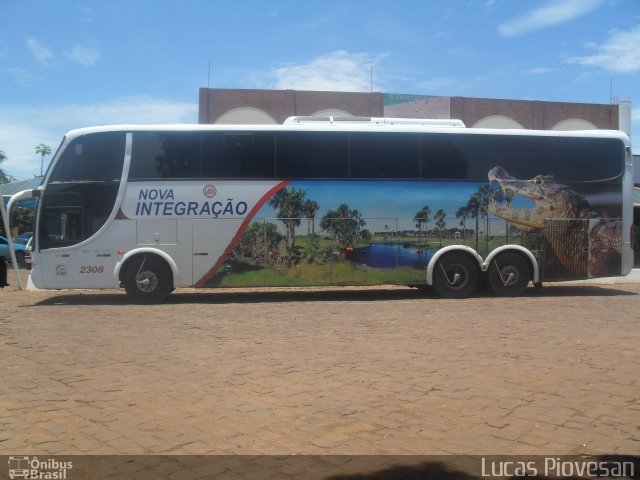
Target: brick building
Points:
(228, 106)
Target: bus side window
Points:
(524, 157)
(581, 159)
(454, 157)
(384, 155)
(312, 155)
(238, 155)
(165, 155)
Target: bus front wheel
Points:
(147, 279)
(455, 276)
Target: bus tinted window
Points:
(95, 157)
(454, 156)
(384, 155)
(165, 155)
(312, 155)
(588, 159)
(238, 154)
(523, 157)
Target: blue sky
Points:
(71, 63)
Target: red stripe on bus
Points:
(240, 231)
(121, 215)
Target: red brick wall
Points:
(533, 114)
(281, 104)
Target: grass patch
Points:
(341, 272)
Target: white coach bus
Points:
(331, 201)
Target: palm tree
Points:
(486, 195)
(463, 213)
(478, 205)
(422, 217)
(290, 205)
(440, 222)
(344, 224)
(310, 209)
(42, 150)
(473, 206)
(4, 178)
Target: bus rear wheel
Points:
(455, 276)
(508, 275)
(147, 280)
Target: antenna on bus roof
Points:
(208, 90)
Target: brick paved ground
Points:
(379, 371)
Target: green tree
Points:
(478, 206)
(313, 247)
(463, 213)
(258, 240)
(422, 218)
(42, 150)
(473, 206)
(486, 195)
(344, 224)
(290, 205)
(489, 195)
(439, 217)
(310, 208)
(4, 177)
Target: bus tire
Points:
(147, 279)
(508, 275)
(455, 276)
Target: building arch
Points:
(574, 124)
(497, 121)
(245, 115)
(332, 112)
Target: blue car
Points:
(19, 248)
(23, 238)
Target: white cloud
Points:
(23, 77)
(619, 54)
(552, 13)
(85, 56)
(540, 70)
(22, 128)
(460, 52)
(335, 71)
(489, 4)
(41, 53)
